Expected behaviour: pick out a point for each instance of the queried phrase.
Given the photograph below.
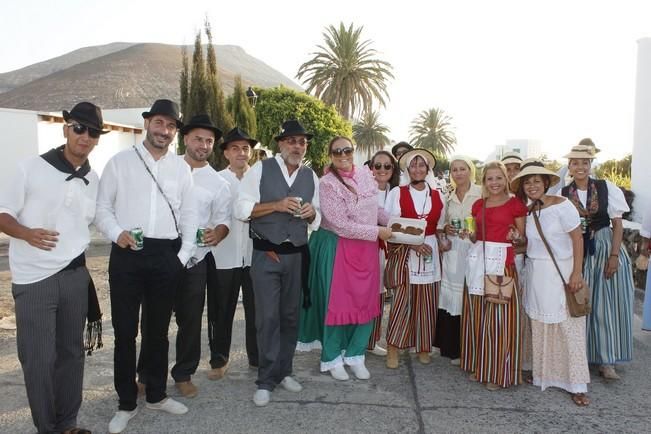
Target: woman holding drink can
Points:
(459, 223)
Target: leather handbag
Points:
(578, 303)
(396, 271)
(497, 289)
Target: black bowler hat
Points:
(292, 128)
(401, 145)
(165, 107)
(201, 121)
(237, 134)
(86, 114)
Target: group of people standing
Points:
(315, 259)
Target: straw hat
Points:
(511, 158)
(406, 158)
(533, 166)
(581, 151)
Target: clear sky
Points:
(556, 71)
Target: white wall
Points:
(642, 131)
(129, 116)
(18, 141)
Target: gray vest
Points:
(279, 227)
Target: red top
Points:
(408, 209)
(498, 220)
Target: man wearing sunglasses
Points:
(146, 191)
(46, 210)
(280, 197)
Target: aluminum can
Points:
(584, 224)
(139, 236)
(469, 224)
(297, 213)
(456, 223)
(200, 240)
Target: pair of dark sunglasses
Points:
(387, 166)
(81, 129)
(347, 151)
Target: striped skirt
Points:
(471, 315)
(610, 325)
(412, 319)
(498, 342)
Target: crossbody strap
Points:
(544, 240)
(483, 231)
(176, 224)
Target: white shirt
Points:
(128, 198)
(617, 205)
(556, 221)
(645, 230)
(213, 198)
(38, 196)
(249, 194)
(236, 249)
(420, 272)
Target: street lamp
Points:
(252, 96)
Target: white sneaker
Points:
(121, 420)
(360, 372)
(455, 362)
(168, 405)
(339, 373)
(379, 351)
(261, 397)
(291, 385)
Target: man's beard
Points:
(151, 139)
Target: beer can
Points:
(584, 224)
(200, 239)
(456, 223)
(139, 237)
(469, 224)
(428, 259)
(297, 213)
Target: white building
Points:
(28, 133)
(527, 148)
(641, 163)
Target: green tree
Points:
(240, 109)
(611, 167)
(279, 104)
(216, 104)
(370, 134)
(432, 130)
(346, 73)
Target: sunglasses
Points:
(293, 141)
(81, 129)
(347, 151)
(387, 166)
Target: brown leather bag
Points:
(497, 289)
(578, 303)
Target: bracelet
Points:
(616, 256)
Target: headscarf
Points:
(406, 178)
(470, 164)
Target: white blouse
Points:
(645, 231)
(556, 221)
(617, 205)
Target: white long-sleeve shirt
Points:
(250, 192)
(38, 196)
(213, 197)
(236, 249)
(128, 198)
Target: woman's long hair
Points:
(395, 172)
(333, 169)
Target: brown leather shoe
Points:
(217, 373)
(424, 358)
(187, 389)
(142, 389)
(392, 357)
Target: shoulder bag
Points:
(497, 289)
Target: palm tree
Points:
(432, 130)
(346, 73)
(369, 134)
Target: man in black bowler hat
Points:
(280, 196)
(46, 210)
(145, 207)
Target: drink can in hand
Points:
(200, 239)
(469, 224)
(138, 235)
(297, 213)
(456, 223)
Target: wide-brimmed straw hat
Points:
(406, 158)
(582, 151)
(511, 158)
(533, 166)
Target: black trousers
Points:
(223, 293)
(147, 277)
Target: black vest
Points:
(279, 227)
(600, 219)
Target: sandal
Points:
(581, 399)
(492, 387)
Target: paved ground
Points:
(414, 398)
